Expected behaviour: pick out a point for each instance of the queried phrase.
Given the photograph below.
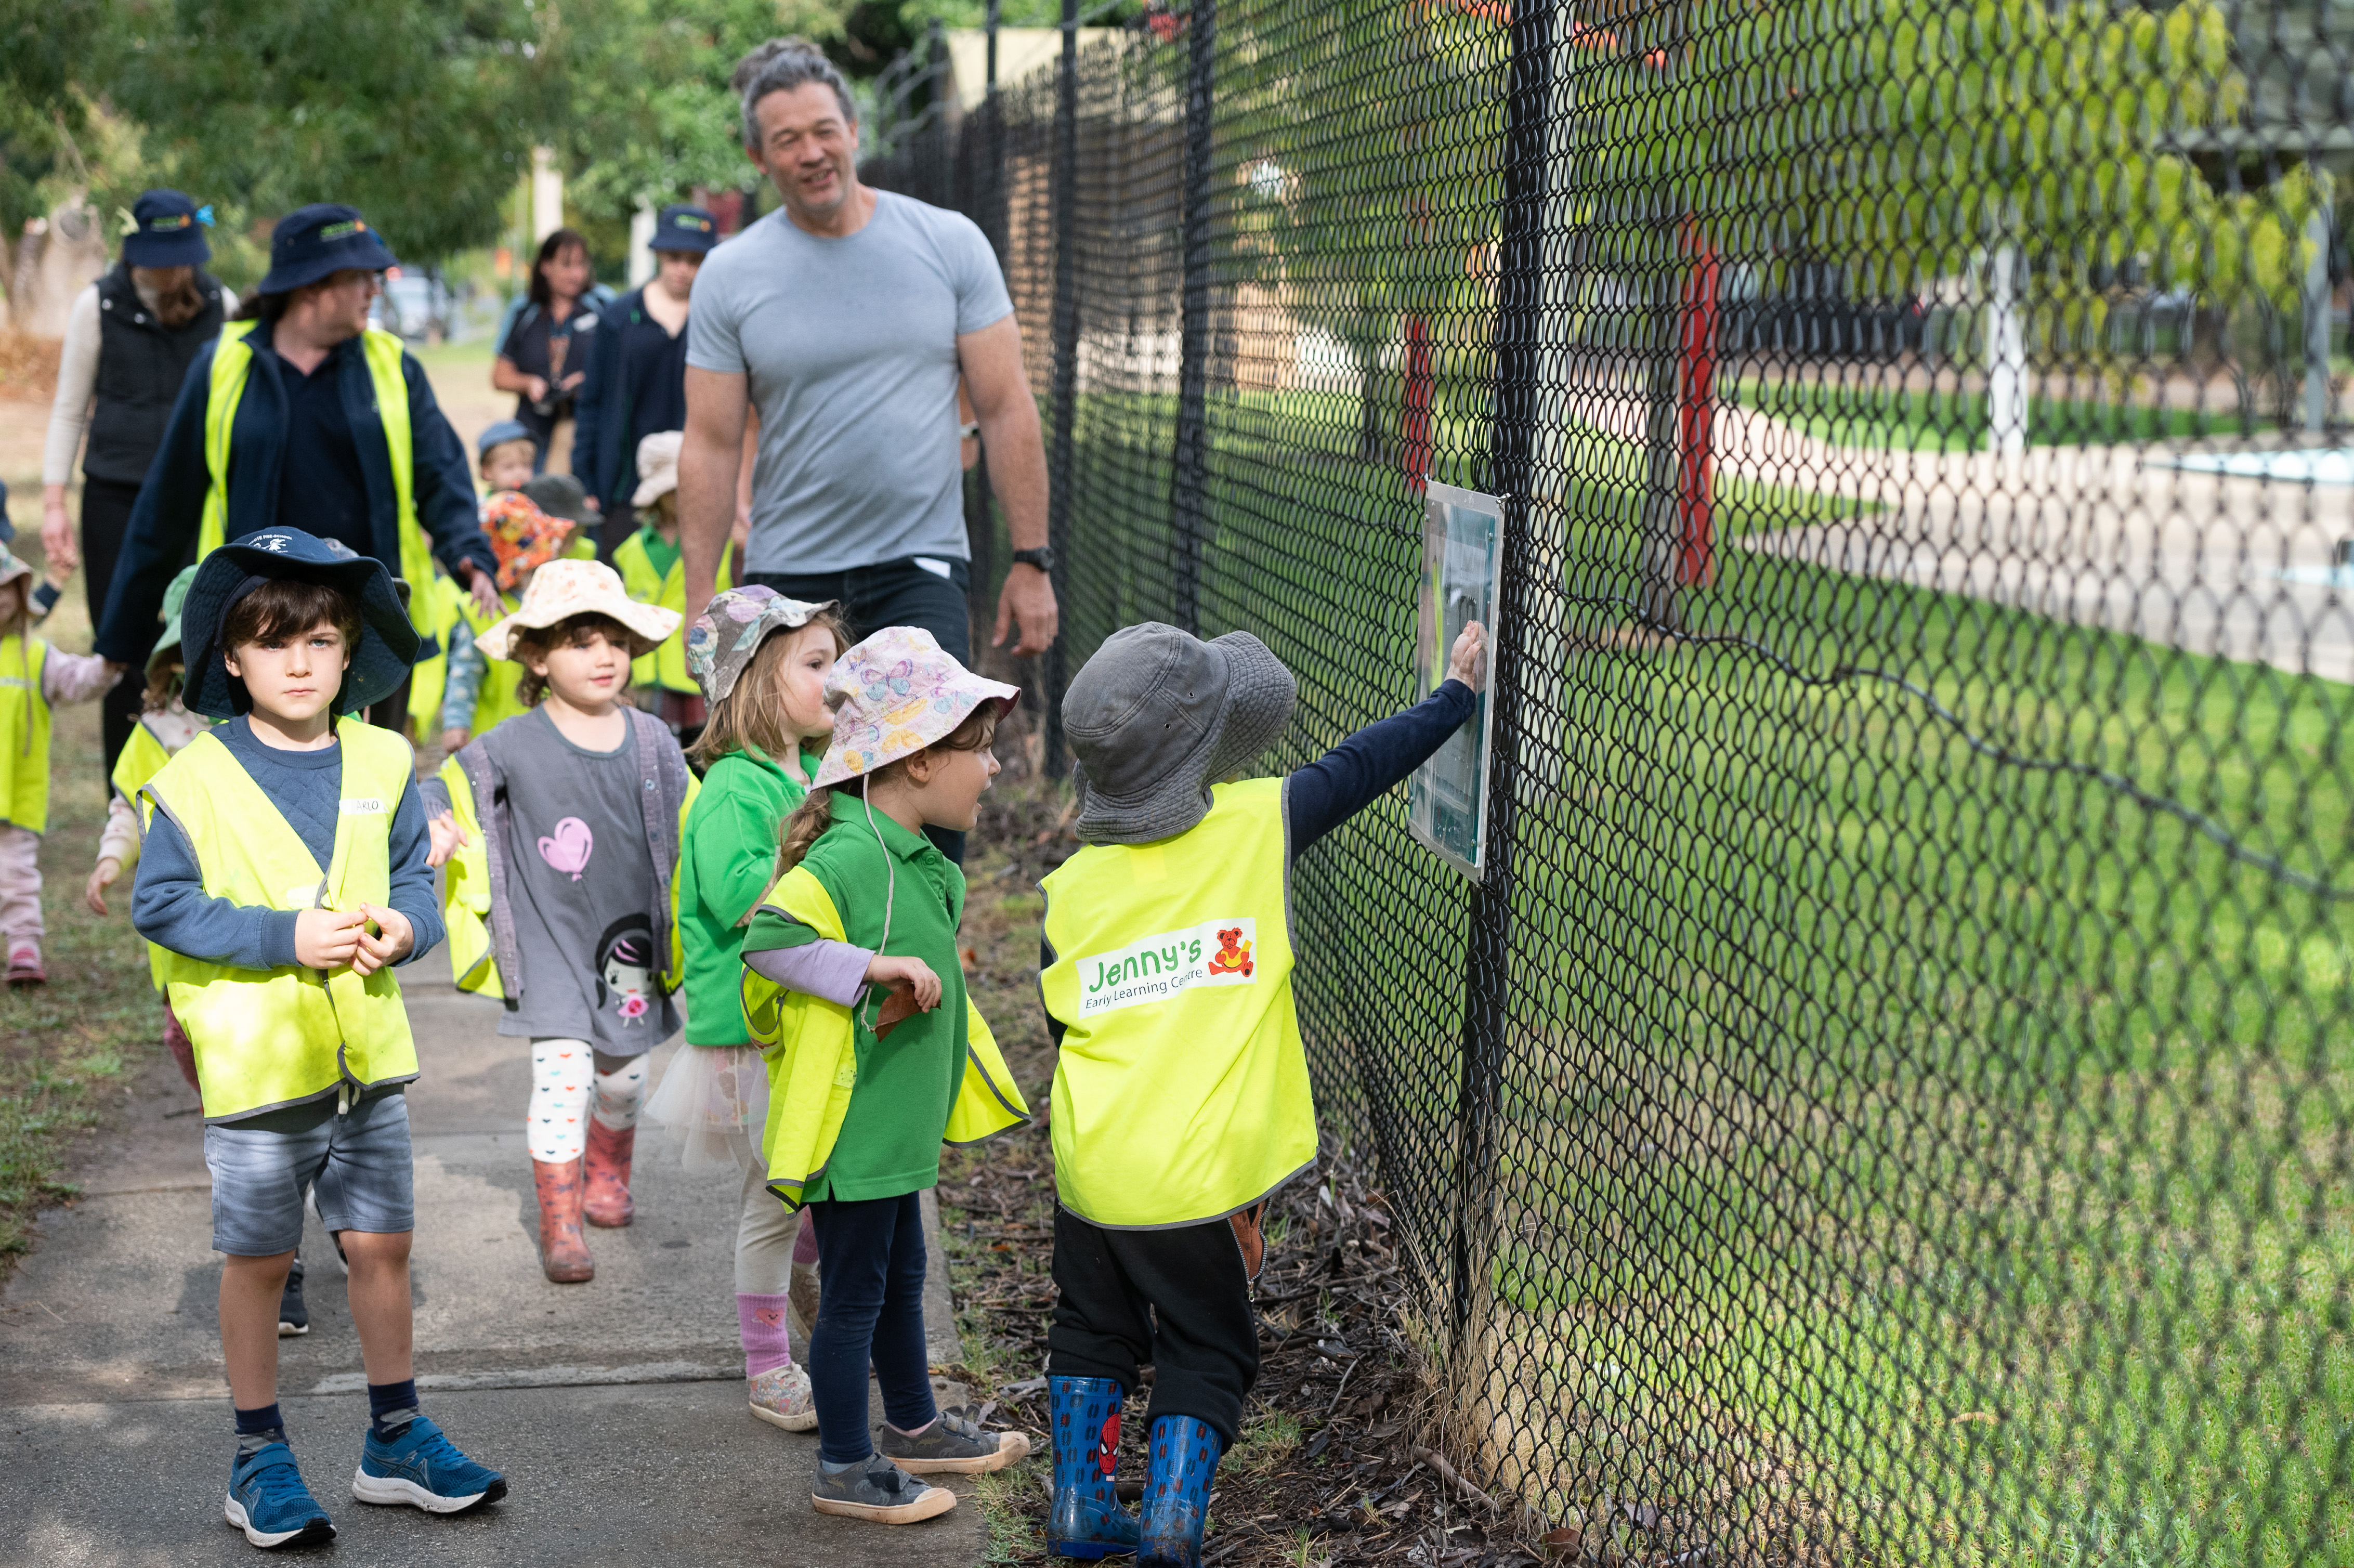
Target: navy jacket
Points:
(161, 535)
(604, 430)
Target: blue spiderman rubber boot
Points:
(1088, 1521)
(1186, 1454)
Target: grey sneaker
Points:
(880, 1492)
(953, 1444)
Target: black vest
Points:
(139, 367)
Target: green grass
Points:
(1879, 417)
(67, 1049)
(1924, 1155)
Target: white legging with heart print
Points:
(571, 1083)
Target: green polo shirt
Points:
(728, 860)
(890, 1140)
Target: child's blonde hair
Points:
(810, 818)
(482, 464)
(752, 714)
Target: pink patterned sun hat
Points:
(894, 695)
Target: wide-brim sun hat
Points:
(311, 242)
(721, 643)
(894, 695)
(1157, 717)
(167, 229)
(657, 466)
(167, 641)
(12, 567)
(387, 644)
(564, 588)
(523, 537)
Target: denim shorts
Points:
(359, 1163)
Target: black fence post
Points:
(1067, 369)
(1519, 304)
(1188, 514)
(980, 164)
(996, 8)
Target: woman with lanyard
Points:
(129, 338)
(544, 342)
(637, 378)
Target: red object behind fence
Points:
(1696, 416)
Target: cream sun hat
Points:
(562, 589)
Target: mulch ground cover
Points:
(1333, 1466)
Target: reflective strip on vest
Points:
(265, 1038)
(1181, 1093)
(24, 733)
(233, 364)
(666, 665)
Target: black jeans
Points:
(105, 518)
(1179, 1298)
(870, 1255)
(893, 593)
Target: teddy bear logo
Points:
(1233, 953)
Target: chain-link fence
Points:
(1888, 1098)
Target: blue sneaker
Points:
(1086, 1520)
(268, 1500)
(421, 1468)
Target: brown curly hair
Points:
(530, 642)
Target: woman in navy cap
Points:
(637, 370)
(130, 339)
(329, 428)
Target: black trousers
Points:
(893, 593)
(1179, 1298)
(105, 519)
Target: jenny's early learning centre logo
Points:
(1215, 952)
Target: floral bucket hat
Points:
(522, 536)
(562, 589)
(894, 695)
(724, 638)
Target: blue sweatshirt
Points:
(170, 907)
(161, 536)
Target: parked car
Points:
(416, 305)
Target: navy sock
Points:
(392, 1406)
(257, 1429)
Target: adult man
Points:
(636, 386)
(130, 339)
(847, 315)
(300, 416)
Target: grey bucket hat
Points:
(1157, 717)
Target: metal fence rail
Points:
(1888, 1098)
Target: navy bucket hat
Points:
(387, 645)
(681, 227)
(167, 230)
(313, 241)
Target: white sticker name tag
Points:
(365, 806)
(1215, 952)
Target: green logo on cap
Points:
(688, 220)
(165, 225)
(343, 230)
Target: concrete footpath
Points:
(616, 1408)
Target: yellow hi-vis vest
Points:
(233, 362)
(1182, 1093)
(144, 757)
(666, 665)
(495, 699)
(433, 605)
(266, 1038)
(24, 733)
(812, 1054)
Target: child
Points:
(762, 659)
(1179, 1105)
(165, 727)
(33, 678)
(281, 975)
(655, 572)
(475, 697)
(579, 802)
(852, 973)
(503, 455)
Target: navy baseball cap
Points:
(313, 241)
(168, 230)
(499, 435)
(389, 641)
(680, 227)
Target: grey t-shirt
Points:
(848, 348)
(578, 872)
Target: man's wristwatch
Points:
(1042, 557)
